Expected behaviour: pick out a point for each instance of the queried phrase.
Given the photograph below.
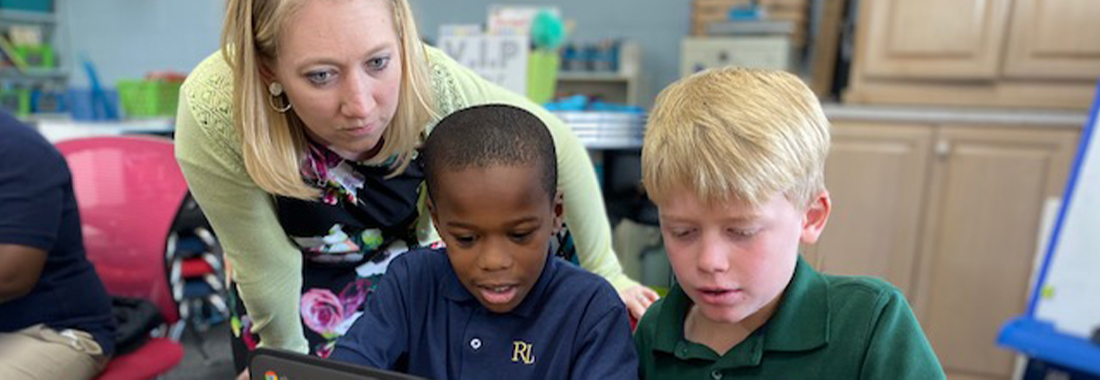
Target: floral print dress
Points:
(347, 238)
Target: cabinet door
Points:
(876, 177)
(1054, 39)
(932, 39)
(988, 190)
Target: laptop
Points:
(269, 364)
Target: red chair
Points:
(129, 190)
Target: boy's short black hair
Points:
(486, 135)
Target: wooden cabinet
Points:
(949, 214)
(986, 195)
(987, 53)
(1054, 39)
(934, 38)
(874, 224)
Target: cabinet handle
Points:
(943, 148)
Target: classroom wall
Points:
(127, 38)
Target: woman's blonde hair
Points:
(736, 134)
(274, 144)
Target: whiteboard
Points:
(1068, 291)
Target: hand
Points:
(637, 299)
(243, 375)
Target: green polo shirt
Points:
(826, 327)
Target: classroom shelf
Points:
(9, 16)
(33, 73)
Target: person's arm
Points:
(898, 348)
(606, 349)
(33, 177)
(20, 268)
(265, 265)
(585, 213)
(380, 337)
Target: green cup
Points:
(542, 75)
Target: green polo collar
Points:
(801, 323)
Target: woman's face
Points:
(339, 62)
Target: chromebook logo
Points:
(270, 375)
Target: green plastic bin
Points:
(148, 98)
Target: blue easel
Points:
(1039, 339)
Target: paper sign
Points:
(501, 59)
(514, 19)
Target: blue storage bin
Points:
(81, 108)
(28, 5)
(49, 101)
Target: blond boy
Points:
(734, 159)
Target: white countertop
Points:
(59, 130)
(946, 115)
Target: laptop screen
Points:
(269, 364)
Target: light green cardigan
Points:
(267, 266)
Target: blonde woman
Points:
(299, 140)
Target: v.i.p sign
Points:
(502, 59)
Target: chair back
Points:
(129, 190)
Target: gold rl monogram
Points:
(521, 352)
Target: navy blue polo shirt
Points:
(38, 210)
(422, 321)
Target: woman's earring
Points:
(276, 91)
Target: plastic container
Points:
(16, 101)
(83, 107)
(36, 55)
(542, 75)
(149, 98)
(606, 129)
(48, 102)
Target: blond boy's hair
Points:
(736, 134)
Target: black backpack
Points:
(135, 319)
